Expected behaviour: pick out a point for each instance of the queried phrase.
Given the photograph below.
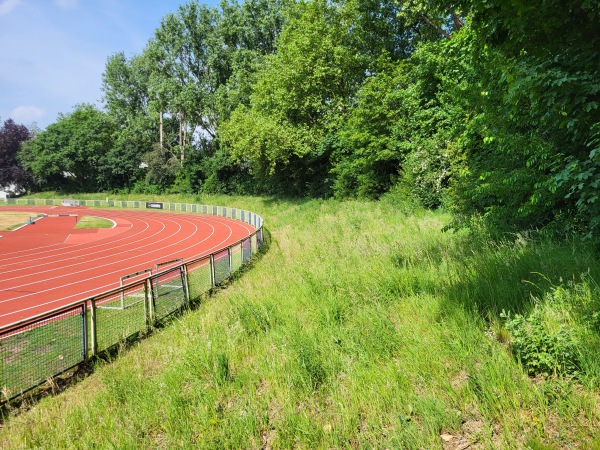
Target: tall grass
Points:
(362, 326)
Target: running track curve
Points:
(50, 264)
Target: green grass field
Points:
(93, 222)
(362, 326)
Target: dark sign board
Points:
(154, 205)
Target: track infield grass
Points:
(9, 220)
(93, 222)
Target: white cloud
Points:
(66, 4)
(27, 114)
(7, 6)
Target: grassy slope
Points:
(360, 327)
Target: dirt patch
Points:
(13, 219)
(460, 380)
(474, 434)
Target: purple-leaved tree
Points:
(12, 175)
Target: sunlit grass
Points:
(94, 222)
(362, 326)
(9, 220)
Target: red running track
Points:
(50, 264)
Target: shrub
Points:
(542, 347)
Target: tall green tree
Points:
(295, 125)
(249, 31)
(76, 150)
(404, 122)
(185, 62)
(126, 97)
(299, 93)
(125, 84)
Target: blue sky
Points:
(53, 52)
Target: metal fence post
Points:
(186, 284)
(229, 259)
(212, 270)
(84, 328)
(150, 301)
(93, 328)
(147, 304)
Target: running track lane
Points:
(50, 264)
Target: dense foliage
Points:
(12, 175)
(484, 107)
(79, 149)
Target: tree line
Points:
(486, 107)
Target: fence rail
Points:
(41, 347)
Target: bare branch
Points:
(437, 27)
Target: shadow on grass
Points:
(544, 293)
(511, 275)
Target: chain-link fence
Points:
(199, 276)
(169, 292)
(118, 315)
(35, 350)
